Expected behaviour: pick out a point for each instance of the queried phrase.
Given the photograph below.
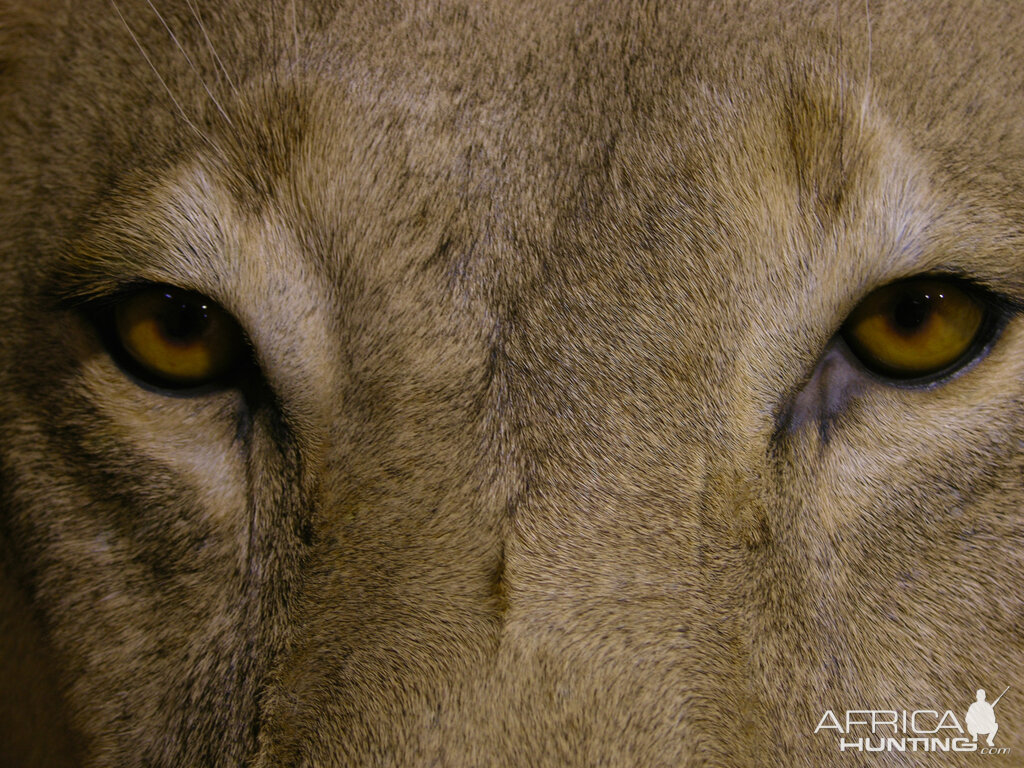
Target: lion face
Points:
(509, 384)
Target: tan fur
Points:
(551, 461)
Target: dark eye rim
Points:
(101, 314)
(997, 309)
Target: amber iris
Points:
(176, 338)
(917, 328)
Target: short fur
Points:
(551, 460)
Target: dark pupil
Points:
(911, 311)
(181, 319)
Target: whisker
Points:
(163, 82)
(184, 53)
(209, 44)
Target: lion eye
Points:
(173, 338)
(920, 328)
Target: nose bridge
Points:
(534, 515)
(628, 529)
(527, 499)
